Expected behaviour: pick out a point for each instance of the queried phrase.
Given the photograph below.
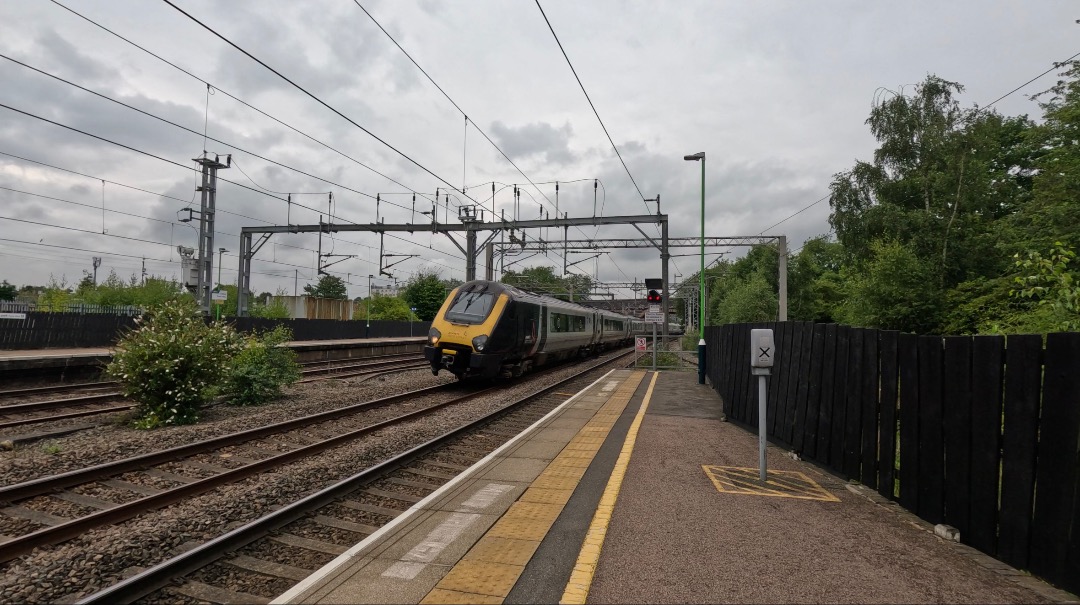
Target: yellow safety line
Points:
(577, 588)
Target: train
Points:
(487, 329)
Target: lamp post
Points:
(367, 309)
(700, 156)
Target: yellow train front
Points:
(487, 329)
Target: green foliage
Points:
(426, 293)
(744, 300)
(270, 307)
(113, 291)
(543, 280)
(258, 372)
(329, 286)
(7, 291)
(815, 286)
(388, 308)
(1049, 281)
(896, 291)
(56, 296)
(171, 363)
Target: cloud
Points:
(538, 141)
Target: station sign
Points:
(12, 315)
(219, 295)
(654, 317)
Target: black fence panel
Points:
(1022, 382)
(987, 371)
(888, 341)
(931, 437)
(1057, 481)
(852, 450)
(909, 421)
(957, 425)
(43, 330)
(813, 391)
(40, 330)
(869, 409)
(839, 399)
(801, 382)
(825, 409)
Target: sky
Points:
(775, 94)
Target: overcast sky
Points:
(775, 93)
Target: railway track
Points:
(168, 476)
(28, 413)
(272, 553)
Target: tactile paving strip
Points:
(492, 566)
(780, 484)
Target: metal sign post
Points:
(654, 347)
(762, 353)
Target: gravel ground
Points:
(100, 557)
(118, 440)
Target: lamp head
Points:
(695, 157)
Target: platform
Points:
(636, 490)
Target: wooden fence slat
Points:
(957, 422)
(813, 392)
(742, 339)
(853, 405)
(839, 403)
(1057, 481)
(802, 386)
(825, 408)
(987, 363)
(908, 349)
(931, 440)
(772, 382)
(887, 345)
(870, 393)
(776, 403)
(1022, 382)
(791, 382)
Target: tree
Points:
(425, 293)
(7, 291)
(543, 280)
(329, 286)
(896, 291)
(815, 286)
(389, 308)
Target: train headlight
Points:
(479, 342)
(433, 336)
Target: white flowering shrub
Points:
(171, 363)
(257, 373)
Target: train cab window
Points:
(470, 307)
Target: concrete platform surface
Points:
(636, 491)
(675, 537)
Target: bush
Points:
(171, 362)
(257, 373)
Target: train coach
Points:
(487, 329)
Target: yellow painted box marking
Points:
(780, 484)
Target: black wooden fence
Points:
(979, 432)
(64, 330)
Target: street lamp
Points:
(701, 275)
(367, 309)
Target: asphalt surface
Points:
(675, 538)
